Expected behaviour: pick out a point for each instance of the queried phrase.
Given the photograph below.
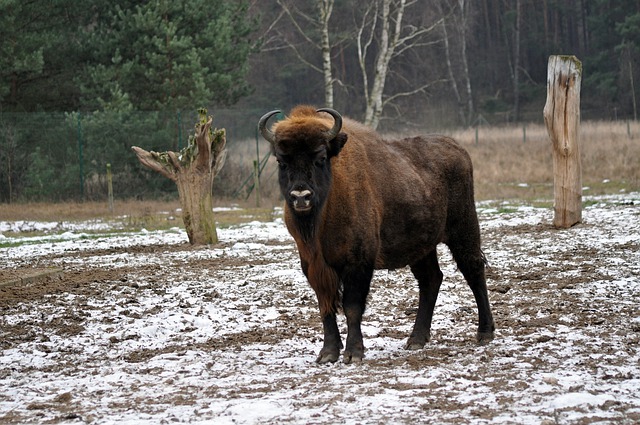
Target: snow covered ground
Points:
(143, 328)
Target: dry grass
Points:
(506, 167)
(135, 210)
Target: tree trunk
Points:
(516, 64)
(562, 118)
(452, 77)
(388, 42)
(193, 169)
(325, 8)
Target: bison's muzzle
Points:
(301, 200)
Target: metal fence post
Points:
(179, 130)
(80, 157)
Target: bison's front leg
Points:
(354, 298)
(354, 352)
(332, 341)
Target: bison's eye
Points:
(282, 165)
(320, 161)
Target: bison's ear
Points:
(335, 145)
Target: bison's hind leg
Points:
(427, 272)
(471, 262)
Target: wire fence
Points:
(63, 156)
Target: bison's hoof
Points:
(348, 358)
(484, 337)
(416, 342)
(413, 346)
(327, 356)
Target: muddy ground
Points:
(132, 329)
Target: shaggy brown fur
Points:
(356, 203)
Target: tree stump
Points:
(562, 118)
(193, 170)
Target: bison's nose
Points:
(301, 199)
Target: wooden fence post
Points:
(562, 118)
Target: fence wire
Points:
(63, 156)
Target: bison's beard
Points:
(303, 222)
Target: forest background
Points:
(81, 81)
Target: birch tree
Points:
(319, 20)
(458, 18)
(381, 31)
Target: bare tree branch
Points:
(297, 26)
(265, 39)
(301, 58)
(403, 42)
(363, 49)
(458, 15)
(415, 45)
(324, 10)
(420, 89)
(380, 30)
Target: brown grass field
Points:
(507, 166)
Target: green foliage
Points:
(39, 54)
(613, 25)
(21, 54)
(28, 155)
(107, 137)
(629, 30)
(47, 179)
(166, 55)
(68, 160)
(67, 55)
(116, 58)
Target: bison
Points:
(356, 202)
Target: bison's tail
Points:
(484, 260)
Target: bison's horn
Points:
(337, 126)
(262, 126)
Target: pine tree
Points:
(167, 55)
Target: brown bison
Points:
(356, 202)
